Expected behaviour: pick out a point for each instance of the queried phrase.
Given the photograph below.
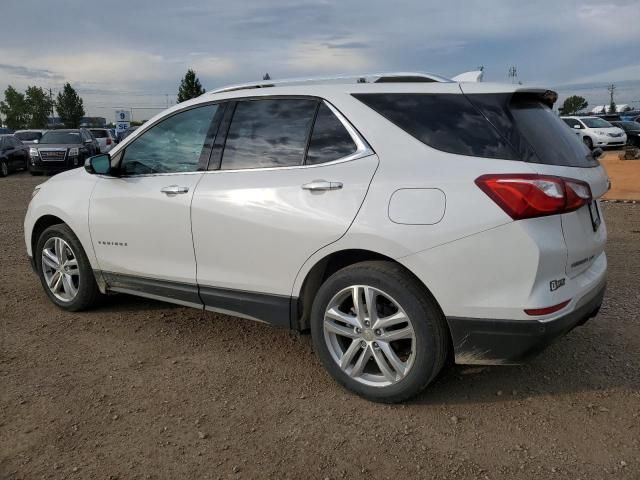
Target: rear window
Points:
(500, 126)
(100, 133)
(28, 136)
(61, 137)
(535, 132)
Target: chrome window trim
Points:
(362, 147)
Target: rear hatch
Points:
(538, 136)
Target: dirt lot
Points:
(624, 175)
(139, 389)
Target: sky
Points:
(133, 55)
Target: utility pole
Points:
(612, 89)
(51, 103)
(513, 74)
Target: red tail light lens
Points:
(529, 195)
(546, 310)
(108, 141)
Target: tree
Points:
(70, 107)
(612, 107)
(573, 104)
(38, 107)
(266, 76)
(14, 109)
(189, 87)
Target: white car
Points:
(597, 132)
(403, 224)
(104, 137)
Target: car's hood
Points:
(44, 146)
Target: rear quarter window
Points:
(447, 122)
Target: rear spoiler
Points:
(548, 97)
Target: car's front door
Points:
(140, 222)
(290, 180)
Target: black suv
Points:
(60, 150)
(13, 155)
(632, 129)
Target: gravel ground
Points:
(140, 389)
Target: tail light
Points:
(108, 140)
(529, 195)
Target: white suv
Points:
(404, 223)
(597, 132)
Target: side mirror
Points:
(596, 152)
(98, 164)
(577, 127)
(88, 142)
(36, 141)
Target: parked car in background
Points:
(403, 223)
(60, 150)
(104, 137)
(14, 155)
(124, 134)
(113, 134)
(29, 136)
(632, 129)
(597, 132)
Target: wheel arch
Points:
(40, 225)
(327, 266)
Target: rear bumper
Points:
(487, 341)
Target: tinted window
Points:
(99, 133)
(54, 136)
(29, 136)
(447, 122)
(173, 145)
(536, 133)
(268, 133)
(329, 140)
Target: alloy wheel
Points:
(5, 168)
(369, 336)
(60, 269)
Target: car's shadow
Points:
(573, 363)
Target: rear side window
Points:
(447, 122)
(330, 140)
(268, 133)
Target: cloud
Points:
(30, 73)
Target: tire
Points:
(4, 168)
(420, 353)
(77, 290)
(588, 142)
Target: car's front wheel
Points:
(588, 142)
(378, 332)
(4, 168)
(64, 269)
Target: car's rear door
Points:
(290, 180)
(140, 221)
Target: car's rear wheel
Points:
(64, 269)
(378, 332)
(588, 142)
(4, 168)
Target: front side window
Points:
(172, 146)
(268, 133)
(330, 140)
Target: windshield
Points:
(28, 136)
(61, 137)
(596, 123)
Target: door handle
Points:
(174, 190)
(322, 185)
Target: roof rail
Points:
(404, 77)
